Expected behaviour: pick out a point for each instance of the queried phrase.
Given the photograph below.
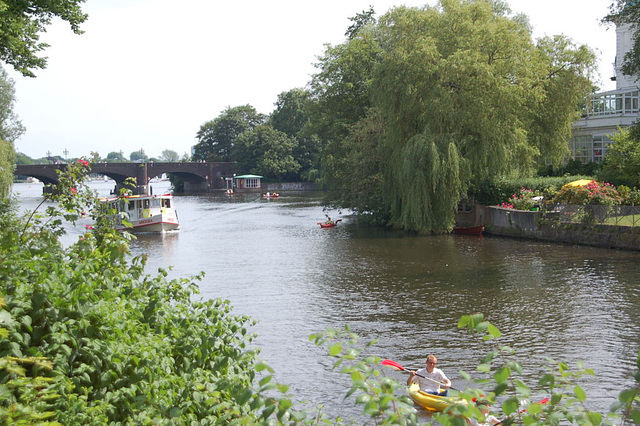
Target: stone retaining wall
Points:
(540, 226)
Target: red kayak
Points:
(329, 224)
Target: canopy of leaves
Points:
(22, 21)
(216, 138)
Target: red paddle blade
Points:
(392, 364)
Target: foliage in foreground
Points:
(499, 379)
(88, 337)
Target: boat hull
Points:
(431, 402)
(327, 225)
(468, 230)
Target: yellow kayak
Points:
(431, 402)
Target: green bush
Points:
(121, 346)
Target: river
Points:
(272, 261)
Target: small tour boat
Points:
(146, 213)
(468, 230)
(329, 223)
(431, 402)
(270, 195)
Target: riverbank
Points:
(545, 226)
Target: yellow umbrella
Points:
(580, 182)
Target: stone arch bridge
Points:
(197, 177)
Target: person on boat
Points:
(489, 420)
(431, 378)
(329, 221)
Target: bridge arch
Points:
(197, 177)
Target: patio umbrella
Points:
(579, 182)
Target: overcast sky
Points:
(146, 74)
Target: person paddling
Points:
(432, 376)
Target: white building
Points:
(606, 111)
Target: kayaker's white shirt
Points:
(428, 385)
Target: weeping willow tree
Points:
(432, 173)
(462, 93)
(464, 90)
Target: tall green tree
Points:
(293, 117)
(7, 166)
(621, 165)
(342, 86)
(623, 12)
(267, 152)
(216, 137)
(169, 155)
(116, 157)
(565, 79)
(10, 129)
(138, 155)
(10, 126)
(22, 22)
(462, 90)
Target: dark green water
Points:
(274, 263)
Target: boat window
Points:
(155, 203)
(145, 204)
(166, 203)
(130, 205)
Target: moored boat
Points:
(270, 195)
(146, 213)
(468, 230)
(431, 402)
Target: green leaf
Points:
(335, 349)
(580, 393)
(493, 331)
(595, 417)
(510, 406)
(244, 396)
(486, 368)
(500, 388)
(502, 374)
(628, 395)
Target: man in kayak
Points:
(430, 378)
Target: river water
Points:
(272, 261)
